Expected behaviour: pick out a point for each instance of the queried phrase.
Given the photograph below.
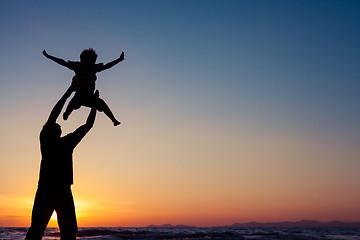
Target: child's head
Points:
(88, 56)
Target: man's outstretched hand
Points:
(96, 93)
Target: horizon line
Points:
(229, 225)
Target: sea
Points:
(194, 233)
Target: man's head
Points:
(53, 131)
(88, 56)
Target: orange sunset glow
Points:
(233, 111)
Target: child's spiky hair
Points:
(88, 56)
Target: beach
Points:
(193, 233)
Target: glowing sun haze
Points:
(231, 111)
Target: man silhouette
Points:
(56, 175)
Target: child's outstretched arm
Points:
(113, 63)
(57, 60)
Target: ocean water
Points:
(193, 233)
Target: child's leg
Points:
(73, 104)
(103, 107)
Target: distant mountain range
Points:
(303, 223)
(285, 224)
(170, 226)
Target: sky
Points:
(231, 111)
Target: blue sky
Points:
(288, 54)
(214, 73)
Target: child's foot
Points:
(116, 123)
(65, 116)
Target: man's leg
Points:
(66, 216)
(41, 213)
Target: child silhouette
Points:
(83, 82)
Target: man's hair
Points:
(53, 130)
(88, 56)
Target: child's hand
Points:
(96, 93)
(71, 88)
(45, 54)
(122, 56)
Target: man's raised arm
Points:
(80, 133)
(55, 112)
(92, 115)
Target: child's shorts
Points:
(88, 100)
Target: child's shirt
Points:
(85, 76)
